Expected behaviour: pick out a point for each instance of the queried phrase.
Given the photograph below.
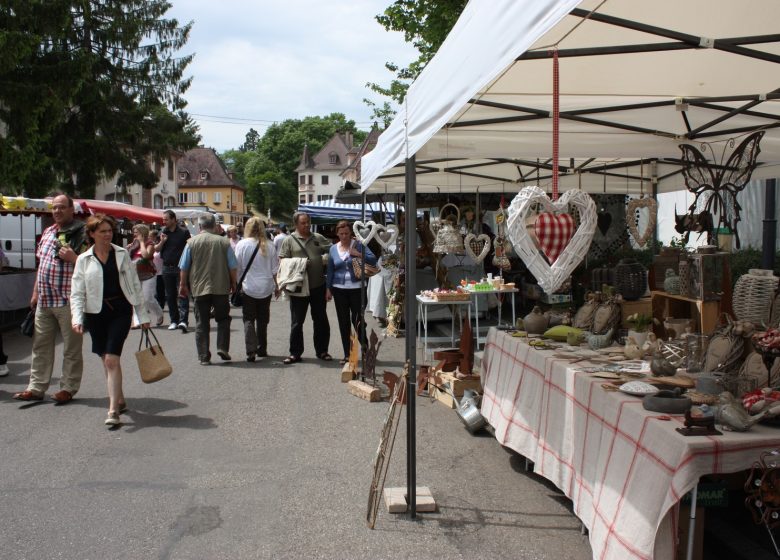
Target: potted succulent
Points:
(640, 324)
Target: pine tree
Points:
(88, 89)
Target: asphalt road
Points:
(238, 460)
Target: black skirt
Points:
(109, 328)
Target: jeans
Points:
(160, 291)
(349, 314)
(203, 306)
(298, 308)
(178, 307)
(256, 313)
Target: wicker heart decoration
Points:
(364, 231)
(551, 277)
(553, 233)
(476, 241)
(386, 236)
(652, 211)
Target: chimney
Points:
(349, 140)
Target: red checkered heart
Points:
(554, 231)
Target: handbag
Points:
(237, 297)
(357, 268)
(152, 363)
(28, 325)
(145, 269)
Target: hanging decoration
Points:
(448, 239)
(550, 277)
(605, 246)
(501, 242)
(635, 206)
(556, 116)
(477, 246)
(715, 187)
(386, 236)
(553, 233)
(364, 231)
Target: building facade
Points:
(319, 176)
(162, 195)
(203, 180)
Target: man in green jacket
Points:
(208, 271)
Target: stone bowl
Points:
(668, 402)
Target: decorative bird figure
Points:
(661, 366)
(631, 350)
(651, 344)
(733, 416)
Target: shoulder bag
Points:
(152, 362)
(357, 268)
(237, 297)
(28, 325)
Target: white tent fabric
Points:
(480, 112)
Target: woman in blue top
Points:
(343, 287)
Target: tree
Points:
(425, 24)
(89, 89)
(250, 142)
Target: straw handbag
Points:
(152, 362)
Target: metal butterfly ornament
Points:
(715, 185)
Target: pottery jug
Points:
(672, 282)
(536, 321)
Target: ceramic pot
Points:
(639, 337)
(672, 282)
(536, 322)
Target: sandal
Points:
(28, 395)
(291, 360)
(325, 357)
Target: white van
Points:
(18, 234)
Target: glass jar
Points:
(696, 351)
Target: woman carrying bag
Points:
(344, 287)
(257, 268)
(104, 292)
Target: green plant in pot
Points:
(640, 324)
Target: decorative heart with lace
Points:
(553, 232)
(482, 240)
(635, 205)
(386, 235)
(364, 231)
(550, 277)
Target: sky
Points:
(263, 61)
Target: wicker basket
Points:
(448, 238)
(753, 295)
(451, 297)
(684, 272)
(630, 279)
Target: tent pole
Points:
(362, 318)
(770, 226)
(410, 332)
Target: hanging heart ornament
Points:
(479, 242)
(364, 231)
(553, 231)
(386, 235)
(634, 205)
(551, 276)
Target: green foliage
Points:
(425, 24)
(89, 89)
(740, 262)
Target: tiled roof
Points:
(338, 145)
(198, 160)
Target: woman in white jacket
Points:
(104, 291)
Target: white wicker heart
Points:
(550, 278)
(359, 229)
(386, 235)
(652, 209)
(481, 239)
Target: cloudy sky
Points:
(257, 62)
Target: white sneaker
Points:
(183, 327)
(173, 327)
(3, 370)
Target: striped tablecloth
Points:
(625, 469)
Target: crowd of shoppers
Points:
(86, 283)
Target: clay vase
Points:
(536, 322)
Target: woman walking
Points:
(344, 287)
(104, 292)
(258, 286)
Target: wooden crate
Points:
(628, 308)
(460, 385)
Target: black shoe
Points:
(250, 357)
(262, 354)
(224, 355)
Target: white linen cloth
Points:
(624, 468)
(259, 281)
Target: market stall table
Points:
(498, 293)
(424, 303)
(624, 468)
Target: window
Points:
(302, 180)
(311, 179)
(311, 198)
(158, 168)
(183, 198)
(325, 179)
(217, 198)
(202, 197)
(158, 201)
(170, 169)
(321, 197)
(302, 199)
(171, 202)
(182, 175)
(204, 175)
(333, 158)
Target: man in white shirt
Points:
(281, 234)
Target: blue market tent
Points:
(328, 211)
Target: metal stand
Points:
(692, 522)
(410, 289)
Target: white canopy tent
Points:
(637, 79)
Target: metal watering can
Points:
(468, 411)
